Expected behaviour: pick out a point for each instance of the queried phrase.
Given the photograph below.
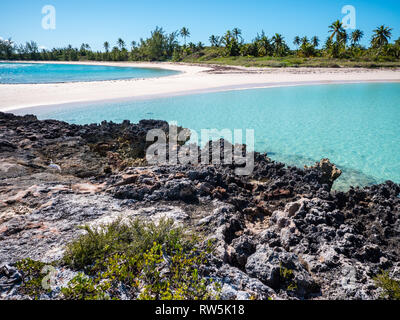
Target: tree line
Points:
(163, 46)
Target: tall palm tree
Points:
(315, 41)
(236, 33)
(214, 40)
(279, 43)
(133, 44)
(304, 40)
(356, 36)
(296, 41)
(121, 43)
(185, 33)
(337, 30)
(106, 46)
(277, 39)
(264, 43)
(345, 38)
(381, 36)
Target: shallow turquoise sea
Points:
(55, 73)
(356, 126)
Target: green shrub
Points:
(153, 262)
(286, 277)
(32, 277)
(82, 287)
(391, 287)
(182, 282)
(130, 238)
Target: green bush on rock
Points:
(32, 277)
(150, 261)
(391, 287)
(131, 238)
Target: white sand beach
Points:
(192, 79)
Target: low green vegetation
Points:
(390, 287)
(130, 238)
(137, 260)
(211, 56)
(32, 277)
(83, 287)
(340, 49)
(287, 278)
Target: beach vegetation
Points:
(340, 49)
(185, 33)
(129, 259)
(389, 286)
(152, 261)
(33, 274)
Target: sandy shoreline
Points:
(192, 79)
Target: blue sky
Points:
(95, 21)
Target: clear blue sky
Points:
(95, 21)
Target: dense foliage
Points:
(390, 287)
(162, 46)
(32, 277)
(130, 259)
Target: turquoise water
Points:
(54, 73)
(357, 126)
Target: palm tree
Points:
(304, 40)
(106, 46)
(315, 41)
(381, 36)
(356, 36)
(214, 40)
(121, 43)
(277, 39)
(264, 44)
(337, 30)
(133, 44)
(185, 33)
(296, 41)
(236, 33)
(345, 38)
(279, 44)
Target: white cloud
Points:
(42, 48)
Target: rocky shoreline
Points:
(55, 177)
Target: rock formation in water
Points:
(278, 218)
